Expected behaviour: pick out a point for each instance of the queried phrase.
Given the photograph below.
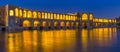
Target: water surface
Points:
(70, 40)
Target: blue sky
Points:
(100, 8)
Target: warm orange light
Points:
(67, 17)
(84, 16)
(51, 15)
(61, 17)
(106, 20)
(26, 23)
(58, 16)
(29, 14)
(39, 15)
(55, 17)
(11, 12)
(44, 23)
(36, 23)
(43, 15)
(91, 16)
(46, 15)
(24, 13)
(16, 12)
(96, 20)
(20, 12)
(62, 24)
(100, 20)
(34, 14)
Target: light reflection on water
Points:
(71, 40)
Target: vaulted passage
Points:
(26, 23)
(67, 24)
(62, 24)
(36, 23)
(49, 24)
(72, 24)
(44, 23)
(77, 24)
(55, 24)
(84, 24)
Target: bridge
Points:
(21, 18)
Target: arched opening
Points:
(44, 23)
(84, 16)
(77, 24)
(67, 24)
(24, 13)
(72, 24)
(55, 24)
(43, 15)
(36, 23)
(16, 12)
(20, 13)
(96, 24)
(50, 24)
(11, 13)
(91, 16)
(29, 14)
(34, 14)
(49, 17)
(84, 24)
(39, 15)
(62, 24)
(26, 23)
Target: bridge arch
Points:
(91, 16)
(44, 23)
(26, 23)
(62, 24)
(84, 24)
(55, 23)
(67, 24)
(77, 24)
(36, 23)
(84, 16)
(72, 24)
(49, 24)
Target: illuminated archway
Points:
(91, 16)
(84, 24)
(26, 23)
(11, 13)
(62, 24)
(49, 24)
(67, 24)
(24, 13)
(72, 23)
(36, 23)
(77, 24)
(96, 24)
(39, 15)
(16, 12)
(20, 13)
(29, 14)
(44, 23)
(55, 24)
(34, 14)
(84, 16)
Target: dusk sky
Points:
(100, 8)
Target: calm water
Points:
(71, 40)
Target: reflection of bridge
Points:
(17, 17)
(57, 40)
